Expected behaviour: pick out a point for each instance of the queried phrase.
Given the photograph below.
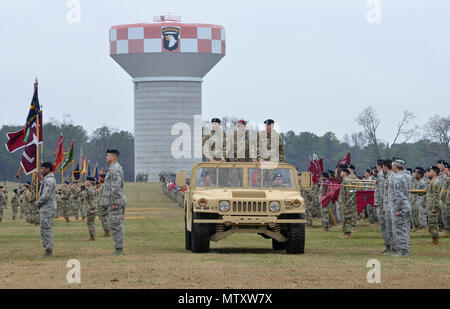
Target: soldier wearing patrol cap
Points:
(114, 198)
(214, 144)
(270, 144)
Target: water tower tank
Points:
(167, 60)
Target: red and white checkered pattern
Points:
(147, 38)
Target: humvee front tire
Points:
(296, 239)
(200, 238)
(187, 236)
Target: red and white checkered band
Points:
(148, 38)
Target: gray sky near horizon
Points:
(312, 65)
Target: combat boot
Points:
(325, 229)
(92, 238)
(48, 253)
(106, 234)
(387, 251)
(404, 253)
(346, 236)
(396, 253)
(118, 252)
(435, 241)
(354, 230)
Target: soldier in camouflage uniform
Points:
(306, 194)
(91, 206)
(345, 203)
(214, 148)
(26, 203)
(15, 204)
(66, 202)
(75, 198)
(114, 198)
(353, 177)
(83, 206)
(387, 195)
(378, 196)
(400, 209)
(34, 210)
(325, 211)
(47, 207)
(102, 210)
(419, 205)
(3, 202)
(414, 209)
(267, 151)
(433, 205)
(59, 204)
(445, 198)
(241, 145)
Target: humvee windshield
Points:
(281, 178)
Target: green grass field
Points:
(154, 255)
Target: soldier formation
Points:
(104, 198)
(142, 177)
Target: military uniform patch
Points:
(170, 37)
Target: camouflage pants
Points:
(388, 218)
(444, 215)
(447, 214)
(35, 215)
(309, 212)
(347, 216)
(83, 211)
(383, 228)
(15, 209)
(47, 232)
(325, 214)
(76, 211)
(423, 214)
(22, 212)
(354, 212)
(66, 210)
(415, 223)
(401, 226)
(104, 217)
(433, 223)
(91, 224)
(1, 213)
(372, 213)
(116, 218)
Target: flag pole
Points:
(37, 148)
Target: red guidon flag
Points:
(345, 160)
(29, 156)
(59, 153)
(364, 198)
(333, 189)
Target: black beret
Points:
(435, 168)
(269, 121)
(341, 166)
(351, 166)
(90, 179)
(216, 120)
(113, 151)
(325, 174)
(441, 162)
(1, 187)
(47, 165)
(66, 182)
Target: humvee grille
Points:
(243, 207)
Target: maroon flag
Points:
(345, 160)
(28, 162)
(16, 140)
(364, 198)
(59, 153)
(316, 169)
(333, 189)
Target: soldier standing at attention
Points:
(2, 202)
(91, 206)
(433, 205)
(387, 195)
(114, 198)
(421, 205)
(414, 209)
(15, 204)
(83, 206)
(214, 145)
(65, 196)
(76, 191)
(267, 151)
(47, 207)
(325, 212)
(401, 209)
(353, 177)
(442, 175)
(445, 198)
(102, 210)
(241, 144)
(378, 196)
(345, 203)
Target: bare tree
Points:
(437, 130)
(369, 121)
(358, 139)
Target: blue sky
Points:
(311, 65)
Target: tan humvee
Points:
(244, 197)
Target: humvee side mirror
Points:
(181, 179)
(306, 181)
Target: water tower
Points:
(167, 60)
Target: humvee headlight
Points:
(224, 206)
(288, 202)
(296, 202)
(274, 206)
(202, 201)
